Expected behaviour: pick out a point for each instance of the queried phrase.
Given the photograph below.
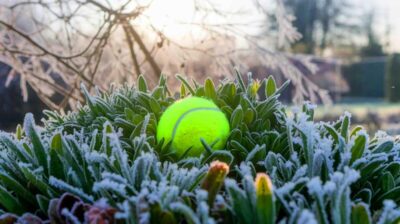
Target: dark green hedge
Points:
(392, 79)
(366, 79)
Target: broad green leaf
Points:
(388, 182)
(270, 87)
(8, 201)
(16, 187)
(384, 147)
(355, 130)
(358, 148)
(43, 203)
(360, 214)
(236, 118)
(35, 181)
(393, 194)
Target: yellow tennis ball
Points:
(188, 120)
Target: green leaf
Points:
(220, 155)
(21, 153)
(236, 117)
(360, 214)
(265, 201)
(344, 128)
(358, 148)
(185, 82)
(183, 90)
(241, 206)
(8, 201)
(365, 195)
(388, 182)
(240, 80)
(384, 147)
(282, 87)
(16, 187)
(209, 89)
(355, 130)
(43, 203)
(393, 194)
(56, 166)
(38, 148)
(270, 87)
(142, 84)
(56, 143)
(188, 214)
(19, 132)
(35, 181)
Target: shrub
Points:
(105, 162)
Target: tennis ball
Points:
(188, 120)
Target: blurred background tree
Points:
(56, 45)
(322, 23)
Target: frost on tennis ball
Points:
(187, 121)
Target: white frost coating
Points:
(124, 211)
(297, 140)
(219, 200)
(245, 169)
(306, 217)
(329, 187)
(295, 110)
(301, 172)
(114, 177)
(390, 212)
(29, 124)
(383, 136)
(325, 144)
(288, 165)
(95, 157)
(202, 208)
(70, 217)
(346, 114)
(201, 195)
(230, 183)
(109, 185)
(359, 161)
(66, 187)
(286, 188)
(309, 105)
(351, 175)
(101, 203)
(315, 186)
(345, 179)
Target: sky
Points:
(387, 12)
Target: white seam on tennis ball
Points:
(186, 113)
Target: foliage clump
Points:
(102, 164)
